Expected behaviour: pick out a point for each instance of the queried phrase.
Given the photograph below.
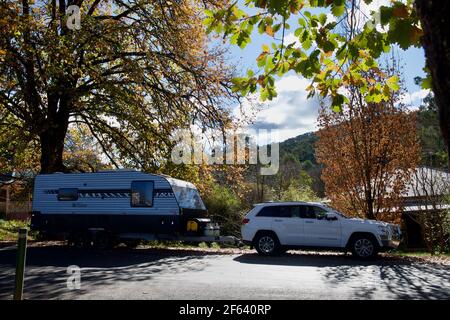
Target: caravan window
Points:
(142, 193)
(68, 194)
(188, 198)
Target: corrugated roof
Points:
(427, 181)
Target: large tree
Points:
(368, 151)
(353, 35)
(133, 72)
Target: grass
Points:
(8, 229)
(180, 244)
(419, 253)
(164, 244)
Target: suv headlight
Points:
(383, 230)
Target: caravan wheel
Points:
(102, 240)
(132, 243)
(80, 240)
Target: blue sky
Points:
(291, 113)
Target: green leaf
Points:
(302, 22)
(264, 94)
(377, 98)
(400, 31)
(337, 10)
(261, 27)
(385, 15)
(261, 60)
(269, 64)
(336, 108)
(306, 44)
(323, 18)
(328, 46)
(392, 82)
(337, 100)
(426, 83)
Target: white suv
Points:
(274, 227)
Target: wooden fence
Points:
(15, 210)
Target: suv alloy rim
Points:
(363, 247)
(266, 244)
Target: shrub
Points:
(297, 192)
(225, 207)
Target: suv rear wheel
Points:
(267, 244)
(364, 247)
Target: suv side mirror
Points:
(331, 216)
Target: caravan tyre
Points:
(131, 244)
(102, 240)
(80, 240)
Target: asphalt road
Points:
(190, 274)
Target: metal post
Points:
(7, 202)
(20, 266)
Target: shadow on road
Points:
(303, 259)
(46, 268)
(402, 278)
(106, 271)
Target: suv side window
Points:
(320, 212)
(276, 212)
(266, 212)
(284, 212)
(312, 212)
(307, 212)
(295, 212)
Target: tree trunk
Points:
(369, 201)
(434, 17)
(52, 147)
(53, 135)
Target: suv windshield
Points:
(335, 211)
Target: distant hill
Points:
(428, 131)
(433, 153)
(301, 147)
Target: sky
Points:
(291, 113)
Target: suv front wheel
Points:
(267, 244)
(364, 247)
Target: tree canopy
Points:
(336, 52)
(133, 72)
(368, 151)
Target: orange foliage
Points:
(368, 151)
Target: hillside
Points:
(431, 141)
(302, 147)
(433, 153)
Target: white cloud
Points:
(414, 99)
(290, 114)
(331, 18)
(374, 7)
(291, 38)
